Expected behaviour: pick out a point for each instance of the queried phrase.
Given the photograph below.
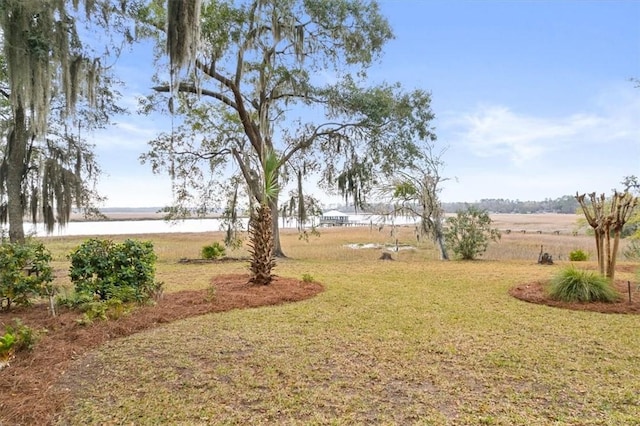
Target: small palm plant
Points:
(261, 243)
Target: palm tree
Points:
(261, 243)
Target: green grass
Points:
(413, 341)
(575, 285)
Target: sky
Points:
(533, 99)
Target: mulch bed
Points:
(29, 395)
(535, 292)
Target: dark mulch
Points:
(535, 292)
(27, 385)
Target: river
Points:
(159, 226)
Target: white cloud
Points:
(498, 131)
(129, 133)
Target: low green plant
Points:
(74, 300)
(107, 270)
(16, 338)
(102, 310)
(25, 273)
(307, 278)
(213, 251)
(575, 285)
(7, 343)
(578, 255)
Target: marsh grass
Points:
(413, 341)
(575, 285)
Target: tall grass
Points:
(575, 285)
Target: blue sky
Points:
(532, 98)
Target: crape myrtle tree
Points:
(42, 166)
(287, 76)
(415, 192)
(607, 218)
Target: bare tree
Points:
(606, 218)
(415, 192)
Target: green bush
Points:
(574, 285)
(107, 270)
(25, 273)
(213, 251)
(307, 278)
(16, 338)
(578, 256)
(468, 234)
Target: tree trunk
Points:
(442, 246)
(607, 248)
(277, 247)
(261, 246)
(433, 228)
(600, 249)
(17, 149)
(614, 253)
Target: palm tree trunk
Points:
(277, 247)
(17, 149)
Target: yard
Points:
(409, 341)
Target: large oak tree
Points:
(44, 167)
(288, 77)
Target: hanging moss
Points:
(183, 33)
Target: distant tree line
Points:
(565, 204)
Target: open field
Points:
(409, 341)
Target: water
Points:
(126, 227)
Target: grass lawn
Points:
(409, 341)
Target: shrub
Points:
(24, 273)
(307, 278)
(573, 285)
(468, 234)
(106, 270)
(578, 255)
(102, 310)
(213, 251)
(16, 338)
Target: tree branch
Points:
(193, 89)
(207, 156)
(306, 143)
(250, 178)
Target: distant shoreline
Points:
(132, 215)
